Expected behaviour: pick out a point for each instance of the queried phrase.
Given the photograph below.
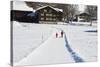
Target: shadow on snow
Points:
(73, 54)
(91, 31)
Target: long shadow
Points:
(70, 50)
(94, 31)
(73, 54)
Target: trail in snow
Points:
(78, 47)
(53, 51)
(27, 37)
(72, 52)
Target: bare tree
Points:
(73, 9)
(69, 11)
(92, 11)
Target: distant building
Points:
(83, 17)
(50, 14)
(45, 14)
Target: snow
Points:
(84, 23)
(41, 7)
(56, 9)
(82, 42)
(53, 51)
(21, 5)
(36, 44)
(27, 37)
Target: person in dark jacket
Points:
(56, 35)
(62, 33)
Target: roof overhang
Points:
(56, 9)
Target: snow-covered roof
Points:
(83, 14)
(56, 9)
(21, 5)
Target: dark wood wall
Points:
(49, 14)
(22, 16)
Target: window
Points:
(42, 18)
(46, 18)
(45, 10)
(47, 14)
(50, 18)
(54, 15)
(54, 19)
(42, 14)
(50, 14)
(50, 11)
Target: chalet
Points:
(83, 17)
(45, 14)
(49, 14)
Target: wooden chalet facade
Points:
(83, 17)
(44, 14)
(49, 14)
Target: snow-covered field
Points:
(36, 43)
(94, 23)
(27, 37)
(82, 42)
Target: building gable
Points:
(50, 7)
(48, 13)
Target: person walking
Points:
(56, 35)
(62, 33)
